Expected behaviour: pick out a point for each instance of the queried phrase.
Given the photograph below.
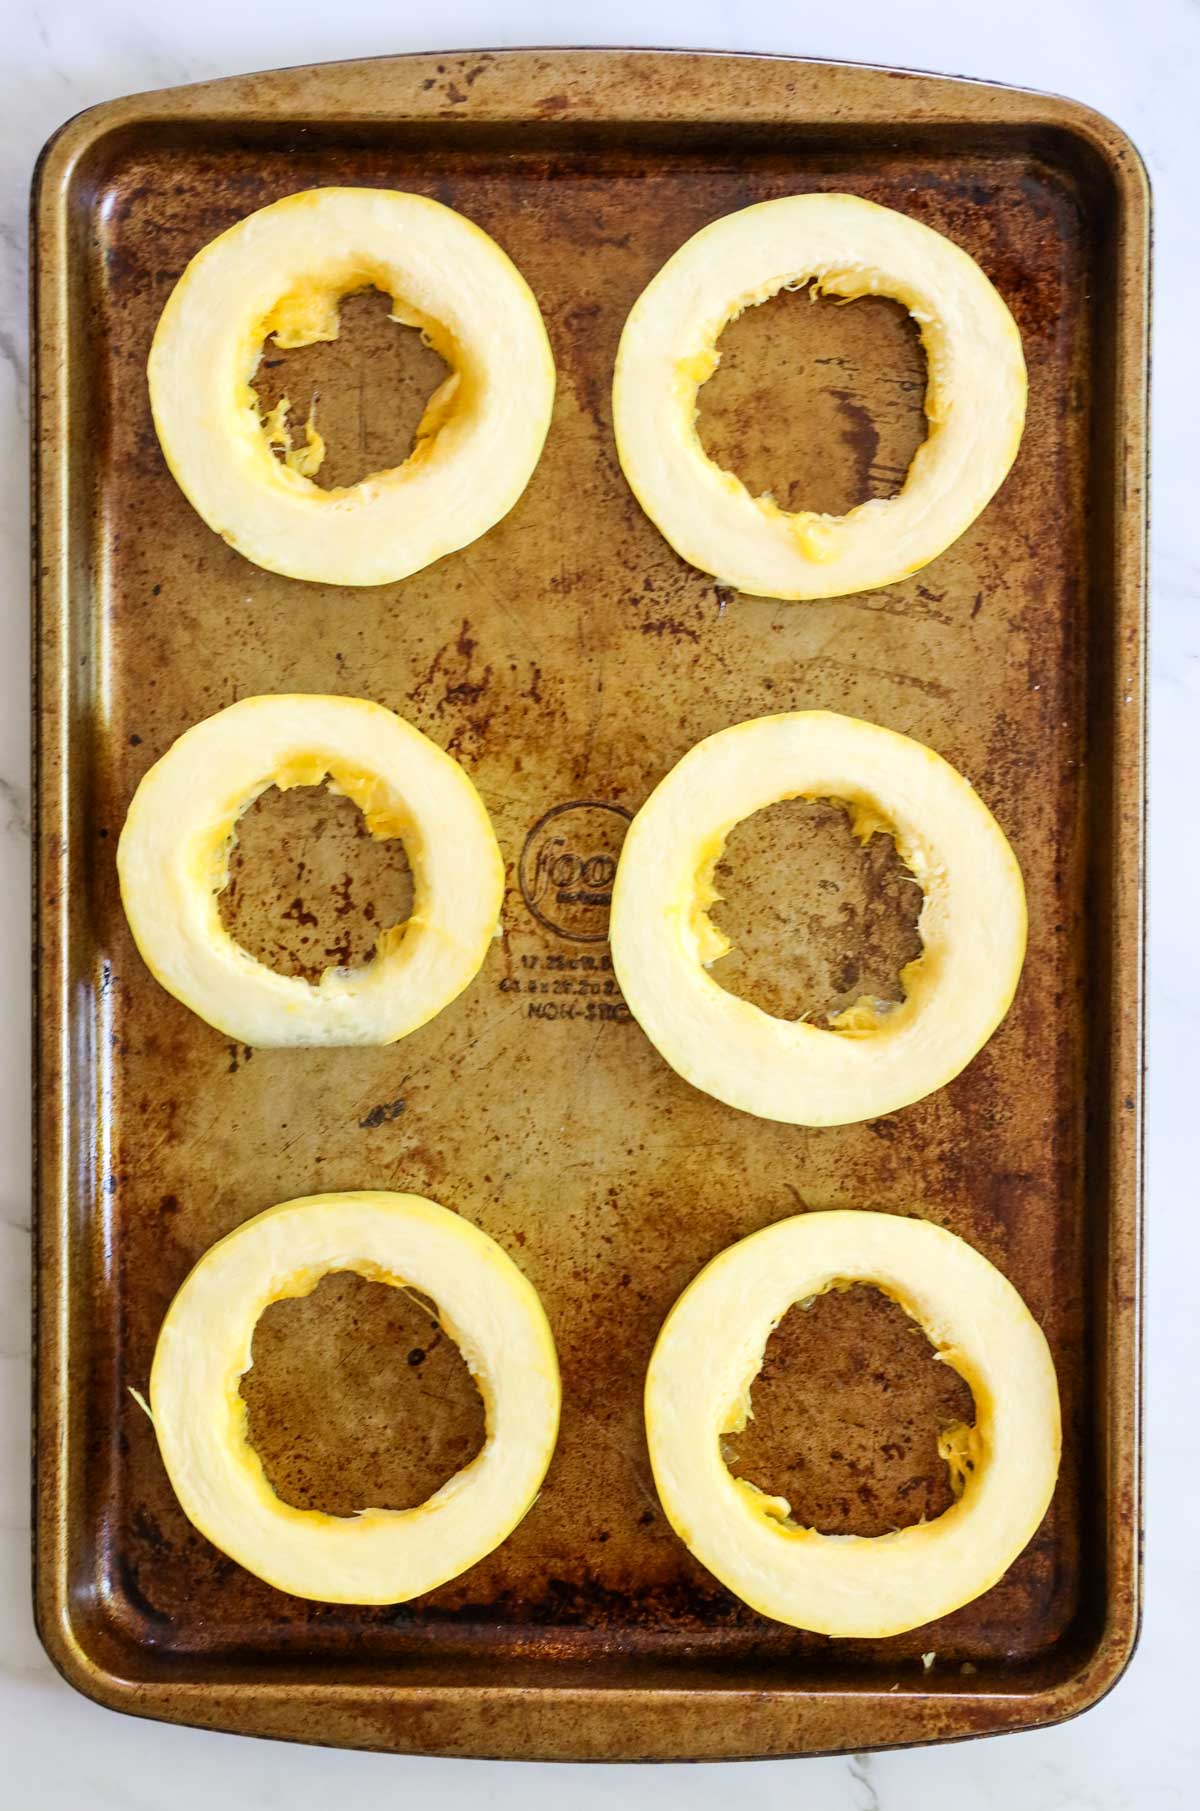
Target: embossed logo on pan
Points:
(568, 866)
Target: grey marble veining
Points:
(1141, 1748)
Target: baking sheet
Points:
(569, 659)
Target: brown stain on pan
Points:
(570, 658)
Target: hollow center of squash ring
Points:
(311, 884)
(358, 1398)
(819, 918)
(815, 403)
(352, 384)
(854, 1423)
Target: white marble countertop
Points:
(1141, 1747)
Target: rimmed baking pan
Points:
(569, 659)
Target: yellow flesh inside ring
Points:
(204, 1348)
(870, 1060)
(1004, 1466)
(281, 274)
(173, 861)
(845, 247)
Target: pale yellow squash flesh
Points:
(1004, 1466)
(173, 861)
(874, 1057)
(846, 247)
(281, 273)
(485, 1304)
